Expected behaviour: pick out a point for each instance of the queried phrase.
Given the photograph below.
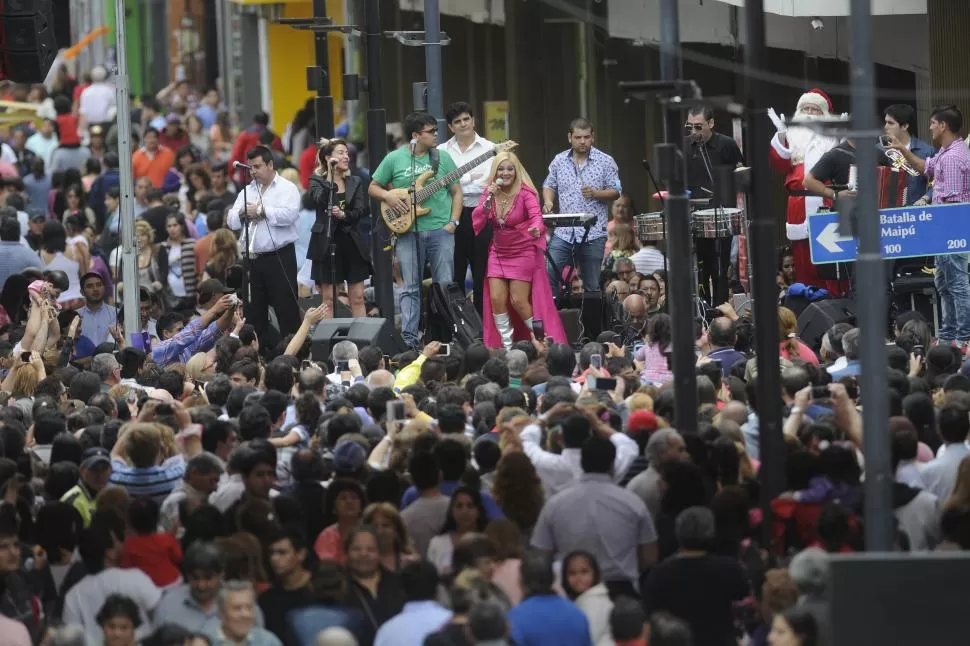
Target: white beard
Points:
(806, 145)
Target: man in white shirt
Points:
(97, 102)
(464, 146)
(101, 553)
(270, 207)
(649, 259)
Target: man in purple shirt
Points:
(949, 170)
(585, 179)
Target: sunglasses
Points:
(697, 127)
(430, 131)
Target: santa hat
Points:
(815, 97)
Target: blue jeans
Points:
(437, 249)
(589, 261)
(953, 286)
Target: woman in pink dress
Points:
(517, 291)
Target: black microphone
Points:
(237, 164)
(656, 184)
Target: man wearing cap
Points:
(95, 472)
(14, 257)
(209, 293)
(97, 317)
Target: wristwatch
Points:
(454, 222)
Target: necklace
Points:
(504, 201)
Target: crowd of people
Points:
(206, 480)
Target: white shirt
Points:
(648, 260)
(559, 471)
(472, 182)
(281, 203)
(85, 599)
(96, 101)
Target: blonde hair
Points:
(521, 174)
(195, 367)
(142, 227)
(623, 238)
(25, 380)
(961, 489)
(225, 251)
(292, 175)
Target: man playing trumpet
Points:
(900, 125)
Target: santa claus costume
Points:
(794, 151)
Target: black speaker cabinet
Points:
(27, 40)
(362, 331)
(818, 317)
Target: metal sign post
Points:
(129, 254)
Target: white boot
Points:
(504, 325)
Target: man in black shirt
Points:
(287, 556)
(832, 169)
(707, 152)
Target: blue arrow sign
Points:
(906, 232)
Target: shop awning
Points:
(809, 8)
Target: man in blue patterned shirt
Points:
(586, 180)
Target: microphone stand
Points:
(417, 235)
(331, 243)
(247, 260)
(717, 212)
(663, 205)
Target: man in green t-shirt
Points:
(436, 229)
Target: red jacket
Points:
(157, 555)
(308, 161)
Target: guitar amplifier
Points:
(892, 187)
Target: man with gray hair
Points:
(517, 361)
(108, 370)
(850, 345)
(237, 614)
(672, 586)
(665, 445)
(380, 379)
(336, 636)
(486, 393)
(809, 570)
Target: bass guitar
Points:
(400, 223)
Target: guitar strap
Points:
(435, 160)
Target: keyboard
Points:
(569, 219)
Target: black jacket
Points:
(356, 209)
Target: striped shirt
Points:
(155, 482)
(950, 171)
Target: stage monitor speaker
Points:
(27, 40)
(818, 317)
(362, 331)
(451, 316)
(592, 315)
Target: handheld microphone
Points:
(491, 196)
(412, 144)
(237, 164)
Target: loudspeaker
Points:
(592, 314)
(818, 317)
(27, 41)
(362, 331)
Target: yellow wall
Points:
(290, 53)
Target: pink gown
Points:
(516, 255)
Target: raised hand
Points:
(780, 125)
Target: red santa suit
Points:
(799, 154)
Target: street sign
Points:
(906, 232)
